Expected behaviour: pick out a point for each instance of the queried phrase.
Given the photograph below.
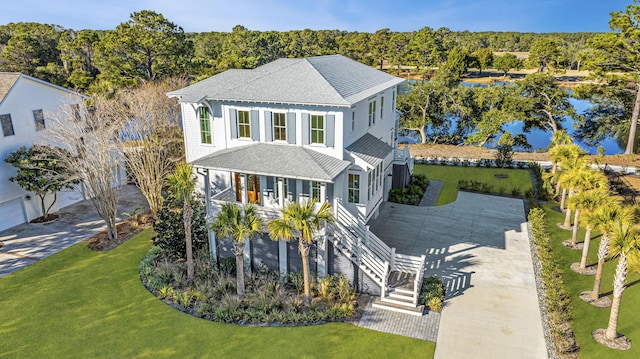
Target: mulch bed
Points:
(578, 246)
(49, 218)
(619, 343)
(590, 270)
(601, 302)
(126, 230)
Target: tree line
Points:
(149, 47)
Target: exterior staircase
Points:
(399, 275)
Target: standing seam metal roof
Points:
(276, 160)
(332, 80)
(370, 149)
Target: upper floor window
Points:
(244, 124)
(7, 125)
(317, 129)
(354, 188)
(279, 126)
(372, 113)
(393, 97)
(38, 119)
(205, 124)
(381, 108)
(353, 121)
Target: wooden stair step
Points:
(413, 310)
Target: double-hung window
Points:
(38, 119)
(315, 191)
(372, 113)
(7, 125)
(381, 107)
(354, 188)
(244, 124)
(279, 126)
(317, 129)
(205, 124)
(353, 121)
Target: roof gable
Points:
(324, 80)
(370, 149)
(9, 79)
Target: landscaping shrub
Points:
(411, 194)
(267, 300)
(556, 301)
(169, 228)
(432, 293)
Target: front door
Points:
(253, 188)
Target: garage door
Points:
(11, 213)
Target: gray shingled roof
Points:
(370, 149)
(276, 160)
(7, 79)
(332, 80)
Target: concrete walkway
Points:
(432, 193)
(480, 249)
(27, 243)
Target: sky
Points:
(350, 15)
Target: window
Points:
(380, 174)
(38, 119)
(315, 191)
(353, 121)
(279, 127)
(354, 188)
(317, 129)
(205, 124)
(393, 97)
(369, 186)
(381, 107)
(372, 113)
(7, 125)
(244, 124)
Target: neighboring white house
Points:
(25, 106)
(321, 127)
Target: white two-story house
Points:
(25, 106)
(322, 127)
(294, 129)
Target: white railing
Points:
(402, 155)
(228, 195)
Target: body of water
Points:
(538, 139)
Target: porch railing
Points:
(402, 156)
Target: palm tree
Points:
(591, 201)
(181, 183)
(624, 244)
(565, 157)
(301, 221)
(588, 179)
(240, 226)
(604, 219)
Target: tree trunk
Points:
(634, 123)
(240, 275)
(563, 197)
(574, 233)
(186, 216)
(304, 252)
(112, 230)
(585, 247)
(603, 250)
(423, 135)
(618, 287)
(567, 218)
(595, 294)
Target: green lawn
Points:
(85, 304)
(586, 317)
(450, 175)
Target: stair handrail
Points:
(417, 283)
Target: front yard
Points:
(80, 303)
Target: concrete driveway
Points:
(480, 248)
(27, 243)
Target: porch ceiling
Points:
(276, 160)
(370, 149)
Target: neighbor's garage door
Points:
(11, 213)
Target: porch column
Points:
(243, 189)
(247, 256)
(282, 259)
(281, 192)
(323, 192)
(213, 243)
(323, 252)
